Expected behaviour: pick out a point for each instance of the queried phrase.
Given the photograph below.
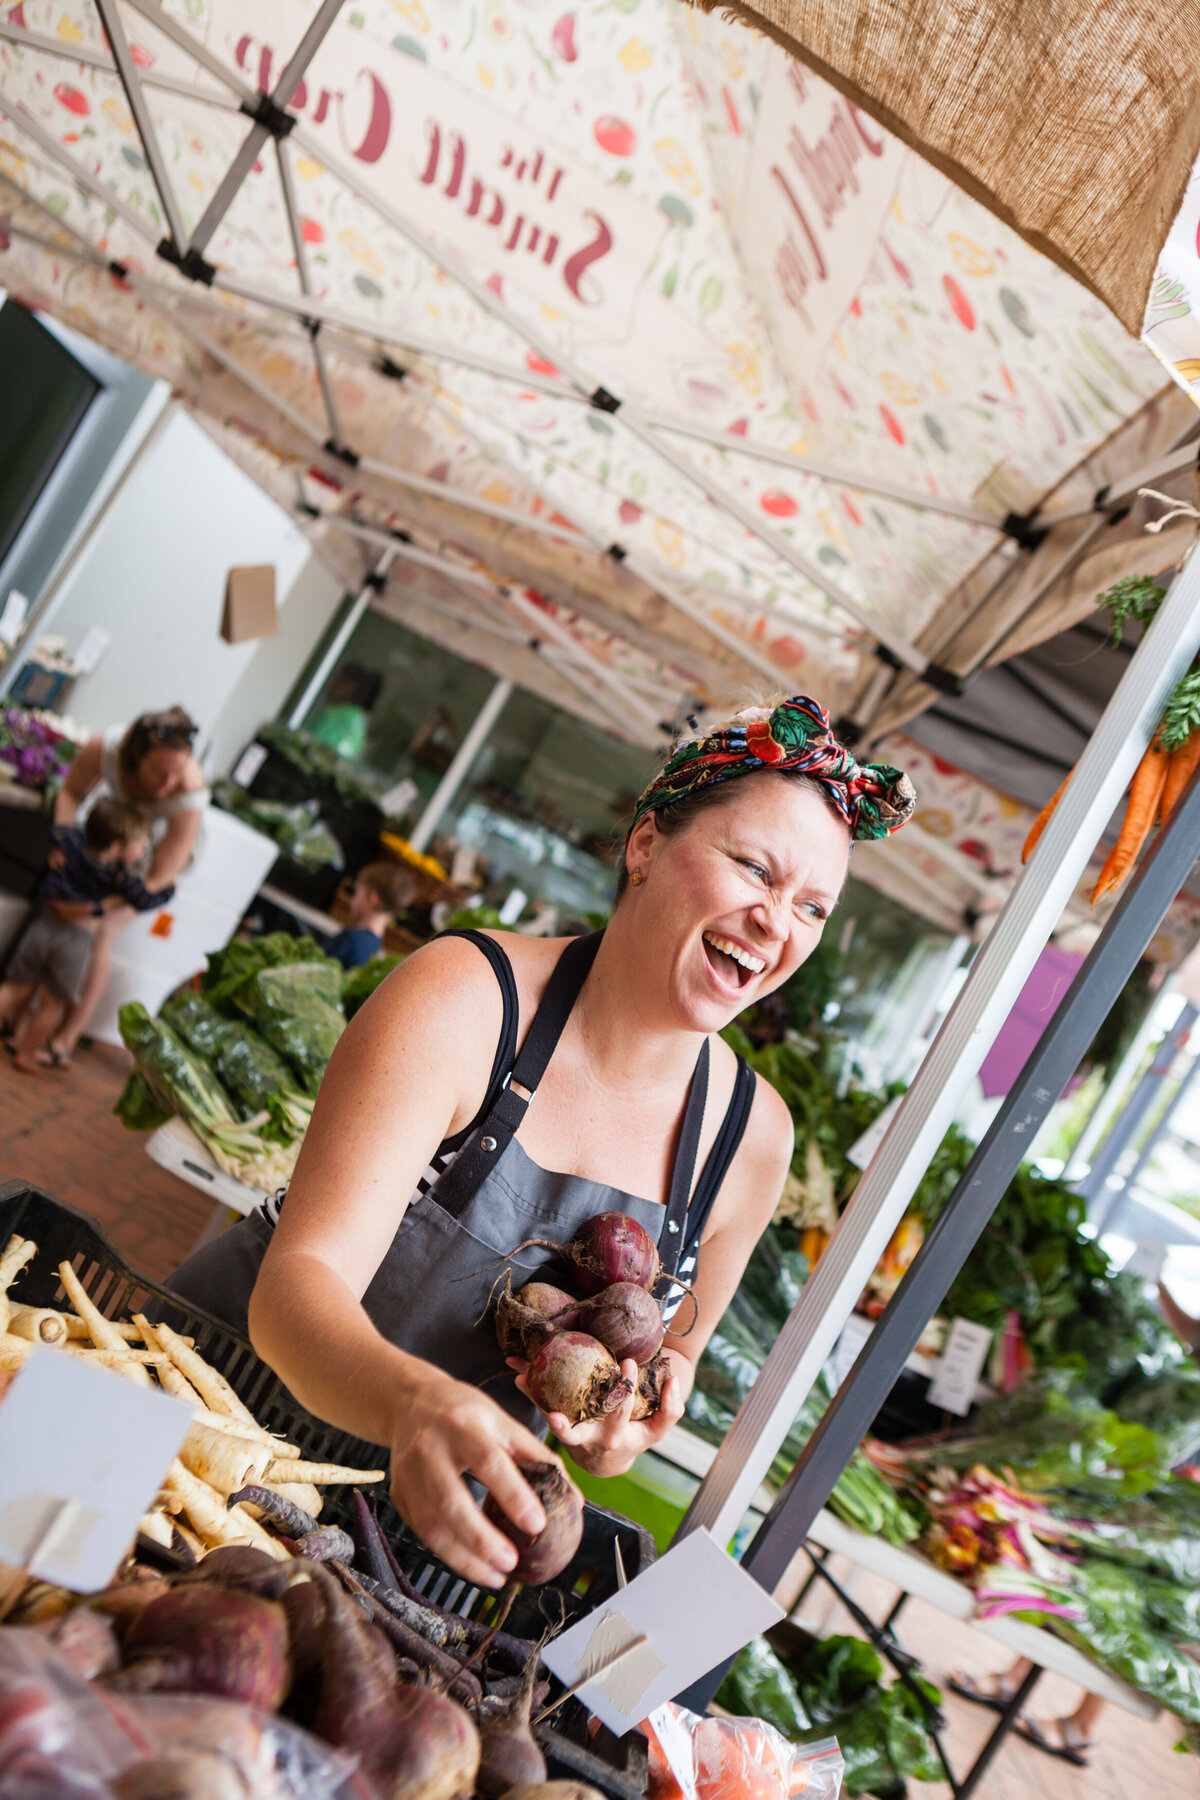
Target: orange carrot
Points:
(1180, 769)
(1043, 818)
(1144, 795)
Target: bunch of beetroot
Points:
(575, 1346)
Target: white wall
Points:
(154, 577)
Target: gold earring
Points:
(636, 878)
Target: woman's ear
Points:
(641, 848)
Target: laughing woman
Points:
(370, 1287)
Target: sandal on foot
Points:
(996, 1697)
(54, 1059)
(1035, 1734)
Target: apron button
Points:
(487, 1143)
(671, 1225)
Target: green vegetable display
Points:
(359, 984)
(293, 1008)
(230, 969)
(810, 1688)
(294, 825)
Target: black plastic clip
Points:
(342, 452)
(603, 401)
(193, 265)
(393, 370)
(119, 270)
(401, 536)
(306, 510)
(263, 110)
(312, 326)
(943, 679)
(618, 552)
(1100, 496)
(376, 581)
(1023, 530)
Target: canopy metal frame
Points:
(271, 119)
(997, 976)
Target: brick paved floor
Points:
(59, 1132)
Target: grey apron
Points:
(483, 1196)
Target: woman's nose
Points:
(772, 918)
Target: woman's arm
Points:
(78, 782)
(409, 1070)
(741, 1213)
(173, 849)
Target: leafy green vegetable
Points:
(137, 1108)
(292, 1009)
(359, 984)
(294, 825)
(313, 757)
(197, 1021)
(239, 962)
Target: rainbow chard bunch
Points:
(575, 1345)
(36, 754)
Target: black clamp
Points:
(306, 510)
(193, 265)
(603, 401)
(401, 536)
(1023, 529)
(342, 452)
(118, 270)
(273, 119)
(1100, 496)
(376, 581)
(312, 326)
(393, 370)
(933, 674)
(618, 552)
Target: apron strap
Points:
(725, 1148)
(671, 1237)
(506, 1043)
(478, 1157)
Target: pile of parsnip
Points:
(226, 1450)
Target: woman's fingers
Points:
(509, 1489)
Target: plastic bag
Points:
(62, 1738)
(296, 1009)
(735, 1759)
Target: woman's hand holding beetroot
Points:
(443, 1430)
(608, 1445)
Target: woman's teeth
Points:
(753, 963)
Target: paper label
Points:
(83, 1453)
(675, 1742)
(855, 1333)
(513, 907)
(693, 1607)
(399, 799)
(953, 1386)
(863, 1149)
(12, 619)
(91, 650)
(249, 763)
(1147, 1260)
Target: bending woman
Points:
(497, 1088)
(149, 766)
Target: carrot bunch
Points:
(1170, 760)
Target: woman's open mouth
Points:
(734, 966)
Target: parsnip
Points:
(210, 1519)
(226, 1463)
(124, 1361)
(320, 1472)
(212, 1388)
(13, 1352)
(157, 1527)
(105, 1335)
(18, 1252)
(38, 1324)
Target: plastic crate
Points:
(616, 1766)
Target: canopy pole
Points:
(1050, 1066)
(460, 766)
(340, 639)
(312, 326)
(110, 18)
(996, 978)
(1095, 1185)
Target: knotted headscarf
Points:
(874, 800)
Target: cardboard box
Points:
(249, 604)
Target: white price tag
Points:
(248, 764)
(1147, 1260)
(863, 1149)
(513, 907)
(855, 1333)
(399, 799)
(12, 619)
(959, 1366)
(95, 643)
(82, 1454)
(675, 1742)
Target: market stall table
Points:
(918, 1578)
(176, 1148)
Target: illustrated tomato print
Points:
(963, 311)
(538, 365)
(780, 506)
(614, 135)
(892, 422)
(630, 512)
(72, 99)
(312, 231)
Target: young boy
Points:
(91, 871)
(381, 890)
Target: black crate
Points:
(617, 1766)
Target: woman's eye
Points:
(815, 911)
(756, 869)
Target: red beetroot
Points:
(608, 1247)
(627, 1320)
(526, 1319)
(651, 1381)
(574, 1375)
(542, 1557)
(207, 1640)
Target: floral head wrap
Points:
(872, 798)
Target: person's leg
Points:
(1069, 1738)
(14, 996)
(991, 1690)
(78, 1016)
(36, 1036)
